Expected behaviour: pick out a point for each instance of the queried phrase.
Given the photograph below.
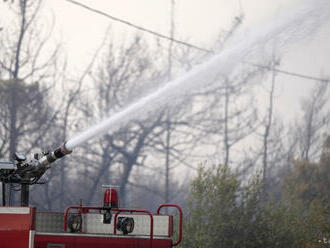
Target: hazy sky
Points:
(196, 21)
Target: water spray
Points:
(290, 27)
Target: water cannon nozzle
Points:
(54, 155)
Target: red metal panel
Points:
(16, 221)
(15, 226)
(14, 239)
(41, 241)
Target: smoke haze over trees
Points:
(42, 104)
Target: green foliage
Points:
(308, 182)
(211, 196)
(223, 213)
(306, 187)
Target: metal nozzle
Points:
(54, 155)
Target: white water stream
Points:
(297, 21)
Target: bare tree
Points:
(268, 124)
(26, 115)
(228, 115)
(276, 147)
(313, 123)
(180, 137)
(168, 123)
(116, 80)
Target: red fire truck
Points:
(106, 226)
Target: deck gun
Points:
(28, 172)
